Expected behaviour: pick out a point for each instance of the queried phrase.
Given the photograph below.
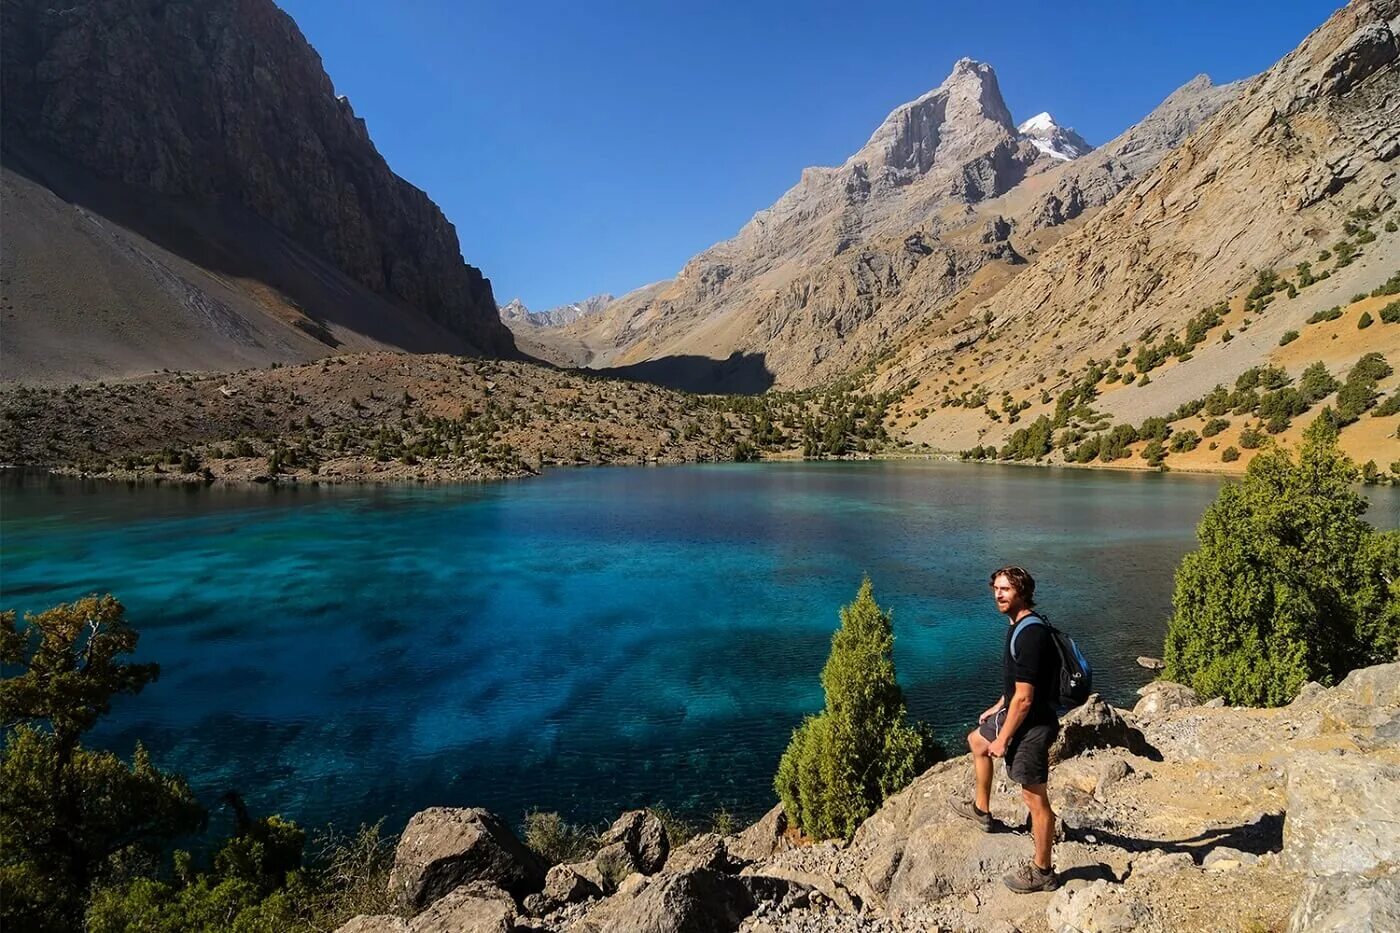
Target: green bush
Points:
(1289, 583)
(556, 841)
(1358, 394)
(1214, 426)
(1364, 321)
(843, 762)
(1390, 314)
(1317, 383)
(1229, 455)
(1287, 338)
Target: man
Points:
(1020, 727)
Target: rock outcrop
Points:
(442, 849)
(194, 128)
(1247, 819)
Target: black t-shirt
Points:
(1037, 662)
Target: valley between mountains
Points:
(259, 297)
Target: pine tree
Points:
(1289, 584)
(842, 763)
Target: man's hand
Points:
(997, 749)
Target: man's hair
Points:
(1021, 581)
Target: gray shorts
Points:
(1028, 753)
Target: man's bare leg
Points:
(1042, 823)
(982, 769)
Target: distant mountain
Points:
(852, 257)
(515, 313)
(183, 188)
(1257, 178)
(1052, 139)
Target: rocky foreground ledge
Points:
(1177, 815)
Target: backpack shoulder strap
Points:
(1032, 619)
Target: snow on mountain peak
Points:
(1049, 137)
(1041, 122)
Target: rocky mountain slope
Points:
(1052, 139)
(847, 260)
(189, 191)
(1175, 816)
(1296, 170)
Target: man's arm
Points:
(1016, 713)
(992, 710)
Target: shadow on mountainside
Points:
(248, 260)
(1257, 837)
(740, 374)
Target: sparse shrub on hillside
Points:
(1287, 338)
(1229, 455)
(1321, 317)
(1154, 453)
(1390, 314)
(1390, 286)
(845, 761)
(1184, 441)
(1358, 394)
(1214, 426)
(1346, 254)
(1364, 321)
(1317, 383)
(1390, 226)
(1289, 583)
(1251, 438)
(1389, 407)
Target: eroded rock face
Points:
(1341, 813)
(443, 848)
(1349, 903)
(640, 837)
(225, 101)
(763, 839)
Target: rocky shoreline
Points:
(1175, 815)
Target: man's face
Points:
(1008, 600)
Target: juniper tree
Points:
(65, 810)
(1289, 584)
(843, 762)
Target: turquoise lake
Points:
(586, 641)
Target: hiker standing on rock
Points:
(1020, 727)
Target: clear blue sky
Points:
(595, 146)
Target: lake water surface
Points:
(587, 641)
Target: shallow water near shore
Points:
(586, 641)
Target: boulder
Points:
(706, 850)
(1095, 908)
(1348, 903)
(476, 907)
(642, 837)
(1096, 724)
(564, 884)
(1152, 664)
(763, 839)
(1163, 696)
(696, 901)
(374, 923)
(1341, 813)
(443, 848)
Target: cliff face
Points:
(223, 102)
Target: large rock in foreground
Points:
(696, 901)
(442, 848)
(1342, 813)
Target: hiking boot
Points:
(1031, 877)
(967, 809)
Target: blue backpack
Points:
(1076, 676)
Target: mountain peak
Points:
(949, 122)
(1058, 142)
